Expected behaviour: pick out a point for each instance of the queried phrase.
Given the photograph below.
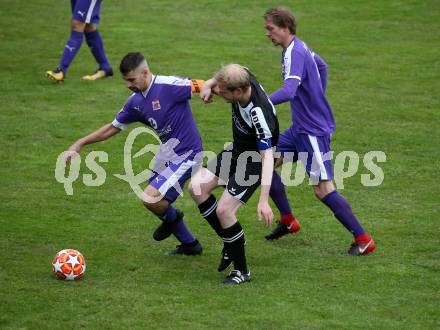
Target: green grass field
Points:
(384, 73)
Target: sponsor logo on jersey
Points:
(156, 105)
(256, 122)
(239, 126)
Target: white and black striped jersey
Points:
(254, 127)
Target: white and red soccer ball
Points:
(69, 264)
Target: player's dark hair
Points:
(281, 17)
(130, 62)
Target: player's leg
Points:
(233, 238)
(287, 224)
(73, 44)
(201, 186)
(244, 180)
(96, 45)
(203, 183)
(206, 180)
(163, 190)
(363, 243)
(172, 222)
(319, 167)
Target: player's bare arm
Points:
(263, 208)
(209, 88)
(100, 134)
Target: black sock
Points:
(208, 210)
(233, 238)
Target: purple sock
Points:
(71, 49)
(183, 234)
(169, 215)
(343, 212)
(94, 41)
(278, 194)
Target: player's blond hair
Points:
(234, 76)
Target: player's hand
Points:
(265, 211)
(72, 152)
(206, 95)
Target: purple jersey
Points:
(164, 106)
(86, 11)
(311, 112)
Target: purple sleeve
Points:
(294, 65)
(286, 93)
(180, 89)
(126, 116)
(322, 69)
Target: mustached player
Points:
(162, 103)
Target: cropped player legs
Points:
(85, 17)
(96, 46)
(73, 44)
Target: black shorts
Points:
(240, 173)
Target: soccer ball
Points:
(69, 265)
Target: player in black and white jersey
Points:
(242, 167)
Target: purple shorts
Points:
(86, 11)
(313, 151)
(171, 177)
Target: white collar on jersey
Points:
(153, 77)
(246, 108)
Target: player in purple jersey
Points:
(85, 18)
(305, 78)
(161, 103)
(242, 168)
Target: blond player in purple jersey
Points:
(85, 18)
(305, 77)
(162, 103)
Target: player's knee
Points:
(90, 28)
(196, 188)
(223, 211)
(192, 189)
(148, 202)
(78, 26)
(323, 189)
(318, 193)
(150, 199)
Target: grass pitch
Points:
(384, 78)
